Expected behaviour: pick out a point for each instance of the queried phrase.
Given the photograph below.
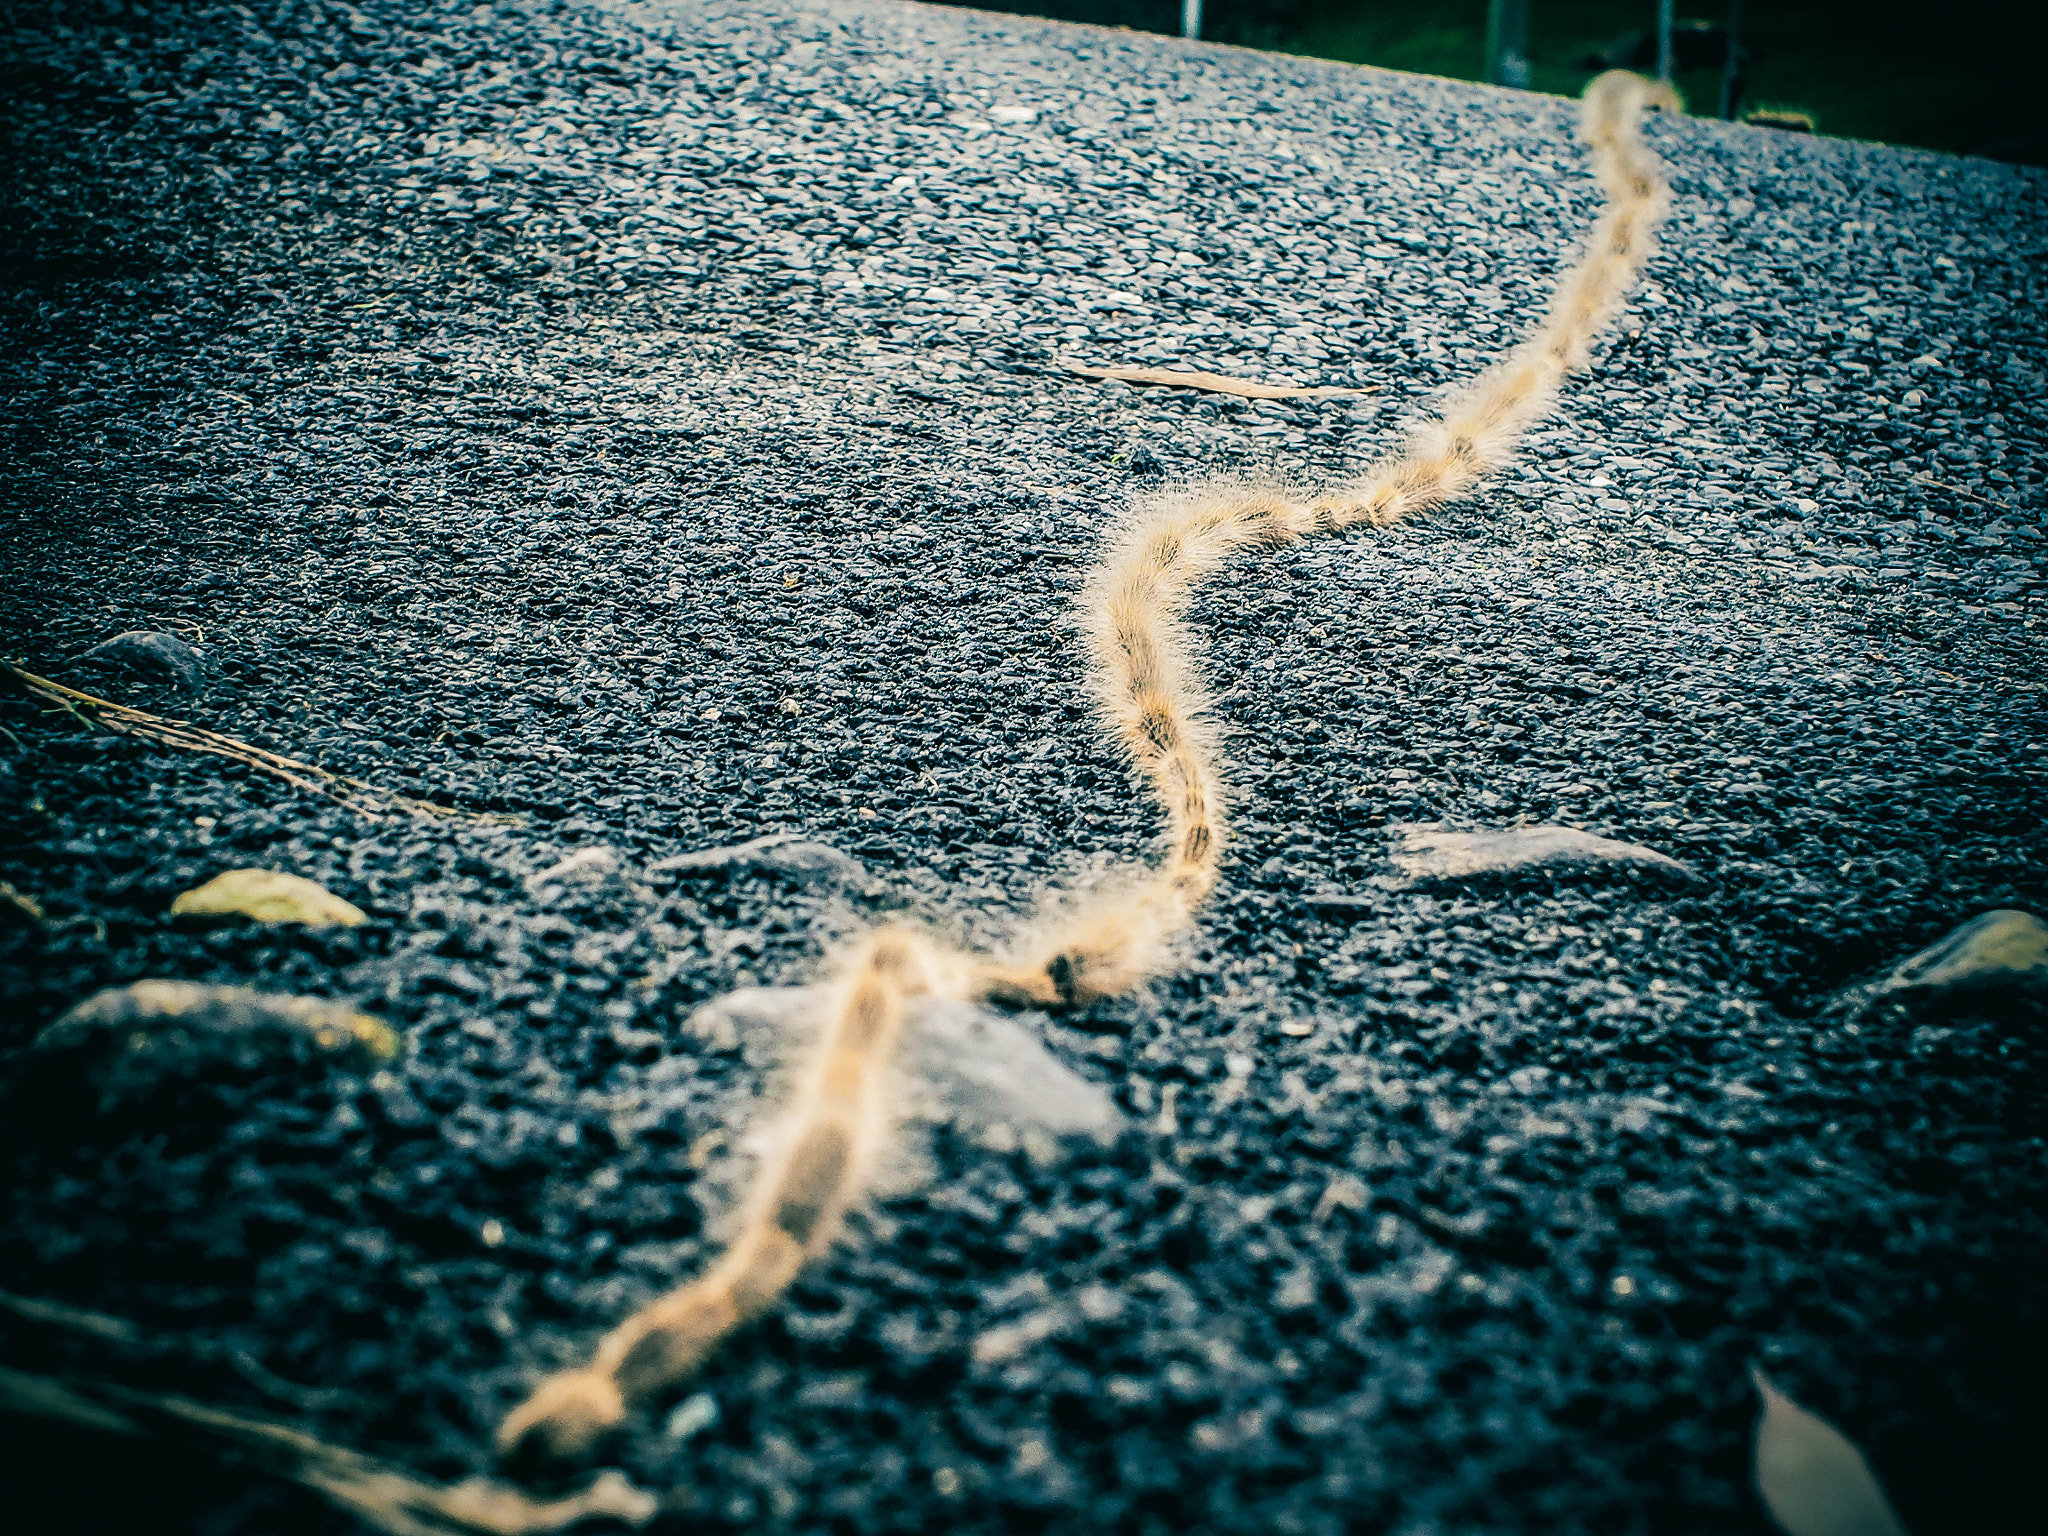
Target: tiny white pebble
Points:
(697, 1412)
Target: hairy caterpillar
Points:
(1153, 703)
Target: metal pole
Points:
(1190, 18)
(1507, 42)
(1731, 68)
(1664, 13)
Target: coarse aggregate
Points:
(637, 428)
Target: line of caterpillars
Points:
(1154, 703)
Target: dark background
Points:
(1962, 78)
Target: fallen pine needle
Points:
(1213, 383)
(121, 720)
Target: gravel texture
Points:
(638, 426)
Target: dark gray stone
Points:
(152, 656)
(125, 1043)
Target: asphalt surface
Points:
(638, 425)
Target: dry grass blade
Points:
(55, 1314)
(122, 720)
(382, 1495)
(1213, 383)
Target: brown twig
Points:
(1213, 383)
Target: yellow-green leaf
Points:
(268, 896)
(1997, 949)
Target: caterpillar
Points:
(1151, 699)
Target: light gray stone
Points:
(809, 862)
(966, 1066)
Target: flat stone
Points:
(968, 1066)
(152, 654)
(1441, 853)
(761, 1023)
(268, 896)
(122, 1043)
(990, 1069)
(583, 868)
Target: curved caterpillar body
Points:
(1152, 701)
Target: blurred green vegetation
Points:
(1965, 77)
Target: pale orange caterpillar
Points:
(1147, 685)
(836, 1127)
(1153, 703)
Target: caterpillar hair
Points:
(1152, 702)
(836, 1125)
(1150, 696)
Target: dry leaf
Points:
(268, 896)
(1214, 383)
(1432, 852)
(1812, 1479)
(2002, 948)
(21, 905)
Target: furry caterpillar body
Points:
(1152, 701)
(836, 1127)
(1147, 686)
